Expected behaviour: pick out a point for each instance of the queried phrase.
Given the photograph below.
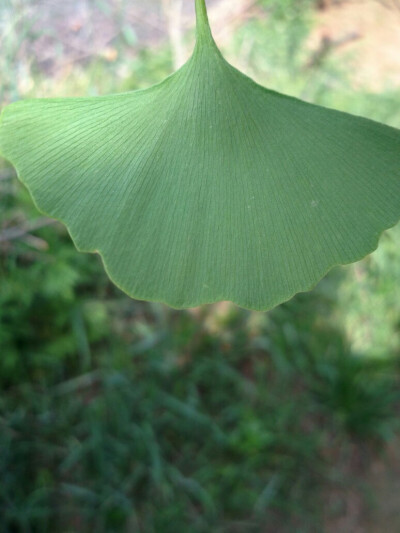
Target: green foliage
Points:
(208, 187)
(360, 395)
(43, 300)
(201, 431)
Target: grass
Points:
(188, 429)
(117, 415)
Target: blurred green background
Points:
(123, 416)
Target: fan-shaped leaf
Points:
(208, 186)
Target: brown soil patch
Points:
(369, 501)
(367, 32)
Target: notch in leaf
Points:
(208, 186)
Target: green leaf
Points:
(208, 186)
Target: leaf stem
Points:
(203, 31)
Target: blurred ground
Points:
(365, 33)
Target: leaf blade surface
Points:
(207, 186)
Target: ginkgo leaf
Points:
(208, 186)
